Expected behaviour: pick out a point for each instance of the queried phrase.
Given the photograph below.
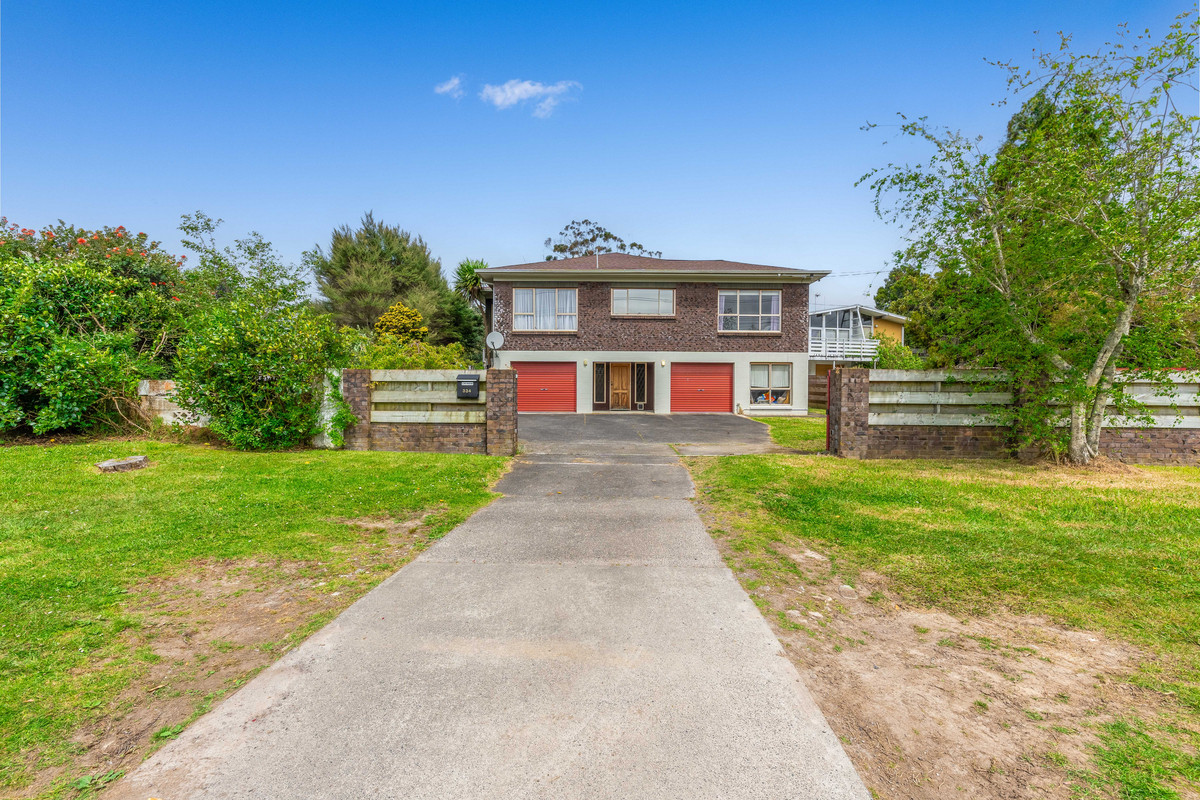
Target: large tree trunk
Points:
(1078, 450)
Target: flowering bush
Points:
(403, 323)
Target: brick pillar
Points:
(501, 412)
(849, 404)
(356, 389)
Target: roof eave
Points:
(705, 276)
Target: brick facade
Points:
(693, 328)
(501, 433)
(851, 435)
(497, 436)
(936, 441)
(1151, 445)
(849, 400)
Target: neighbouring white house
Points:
(844, 335)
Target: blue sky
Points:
(705, 130)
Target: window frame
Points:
(558, 309)
(771, 389)
(612, 301)
(737, 316)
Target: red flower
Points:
(143, 253)
(108, 255)
(95, 236)
(81, 240)
(141, 234)
(118, 234)
(49, 235)
(129, 250)
(174, 298)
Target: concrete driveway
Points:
(692, 434)
(578, 638)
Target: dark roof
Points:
(631, 263)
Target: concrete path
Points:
(578, 638)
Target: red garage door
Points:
(545, 385)
(701, 387)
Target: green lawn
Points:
(1112, 550)
(73, 541)
(806, 434)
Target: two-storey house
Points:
(617, 332)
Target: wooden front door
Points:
(618, 382)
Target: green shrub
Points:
(893, 355)
(74, 340)
(389, 352)
(257, 373)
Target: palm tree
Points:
(467, 282)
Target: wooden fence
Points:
(818, 388)
(424, 395)
(955, 414)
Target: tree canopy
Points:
(587, 238)
(368, 269)
(1068, 256)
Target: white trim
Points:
(584, 359)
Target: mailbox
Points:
(468, 387)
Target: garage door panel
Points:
(701, 387)
(545, 385)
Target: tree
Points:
(367, 269)
(908, 291)
(1055, 245)
(467, 282)
(586, 238)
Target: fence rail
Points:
(953, 397)
(818, 392)
(424, 396)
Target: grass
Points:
(74, 541)
(806, 434)
(1109, 550)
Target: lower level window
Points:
(770, 384)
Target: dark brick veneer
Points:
(497, 436)
(693, 328)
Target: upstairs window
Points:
(748, 310)
(544, 310)
(643, 302)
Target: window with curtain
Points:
(643, 302)
(748, 310)
(544, 310)
(770, 384)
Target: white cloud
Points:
(515, 92)
(452, 87)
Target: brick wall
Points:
(497, 436)
(935, 441)
(849, 399)
(693, 328)
(851, 435)
(1151, 445)
(501, 428)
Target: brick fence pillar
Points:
(849, 405)
(501, 412)
(356, 390)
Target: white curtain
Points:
(545, 309)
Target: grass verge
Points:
(806, 434)
(1109, 550)
(77, 546)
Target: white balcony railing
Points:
(844, 349)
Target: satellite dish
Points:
(495, 340)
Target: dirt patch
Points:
(210, 628)
(929, 705)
